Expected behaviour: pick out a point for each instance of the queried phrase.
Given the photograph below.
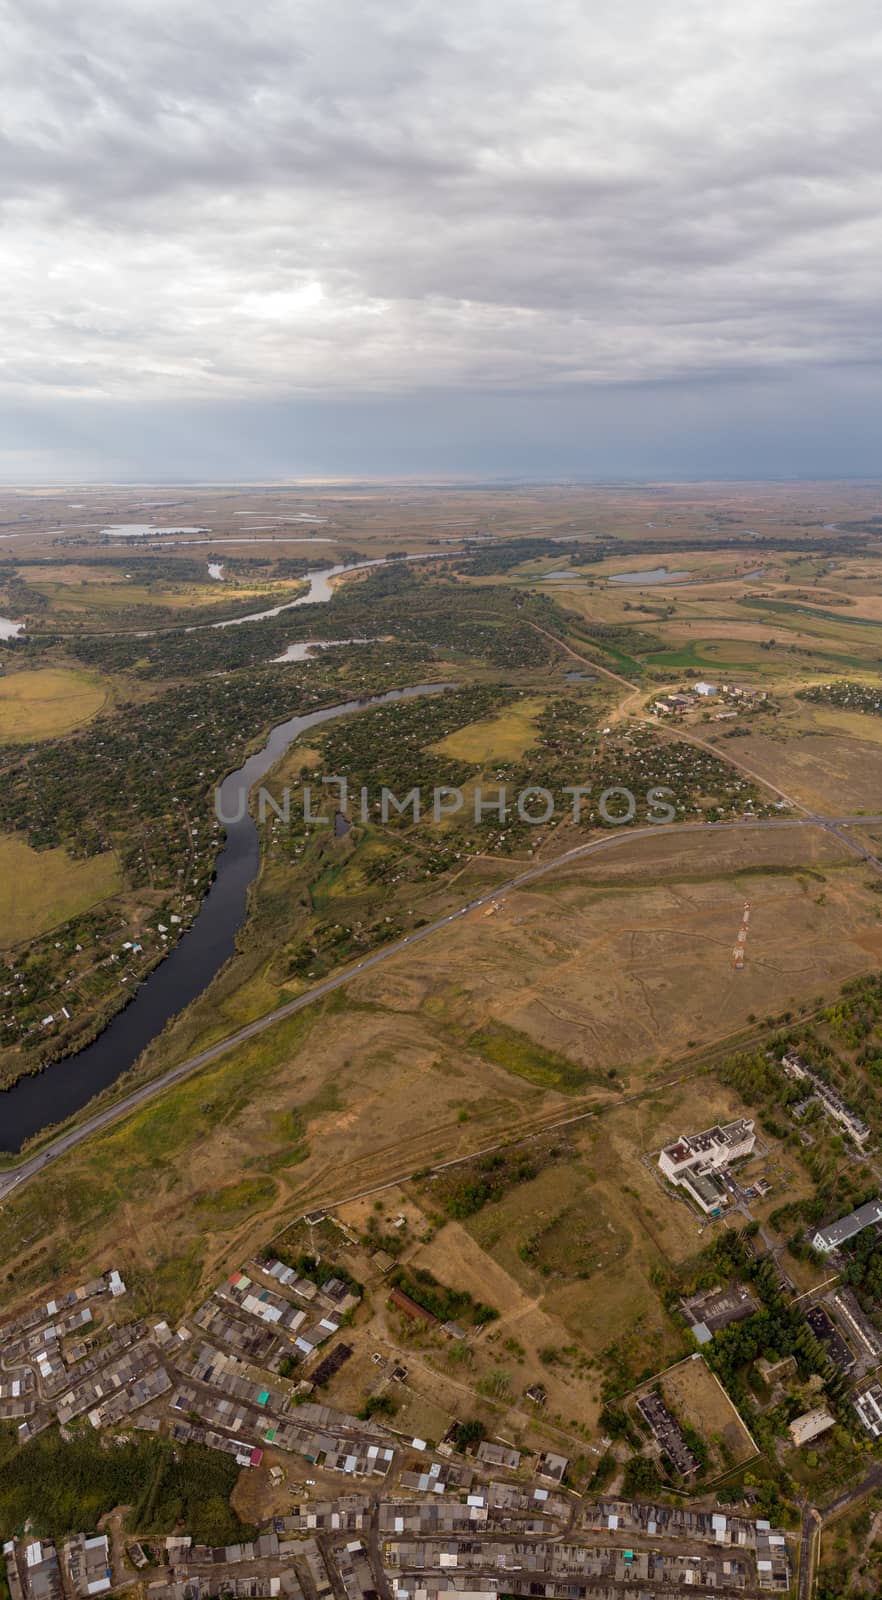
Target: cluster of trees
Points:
(641, 1480)
(863, 1269)
(448, 1305)
(426, 616)
(65, 1485)
(378, 1405)
(468, 1188)
(487, 559)
(776, 1331)
(760, 1080)
(172, 749)
(467, 1435)
(389, 744)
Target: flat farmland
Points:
(724, 650)
(624, 963)
(499, 738)
(45, 703)
(830, 760)
(39, 889)
(703, 624)
(107, 603)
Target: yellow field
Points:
(40, 889)
(498, 738)
(104, 595)
(44, 704)
(826, 758)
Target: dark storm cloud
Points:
(246, 203)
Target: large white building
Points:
(710, 1151)
(693, 1159)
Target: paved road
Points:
(20, 1174)
(870, 1482)
(810, 1525)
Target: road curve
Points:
(16, 1176)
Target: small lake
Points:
(65, 1086)
(216, 571)
(649, 575)
(10, 629)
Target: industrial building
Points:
(715, 1308)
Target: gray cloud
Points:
(250, 203)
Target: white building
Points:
(694, 1159)
(710, 1151)
(830, 1238)
(869, 1408)
(705, 689)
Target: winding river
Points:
(320, 591)
(67, 1085)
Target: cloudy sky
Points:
(633, 237)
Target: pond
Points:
(649, 575)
